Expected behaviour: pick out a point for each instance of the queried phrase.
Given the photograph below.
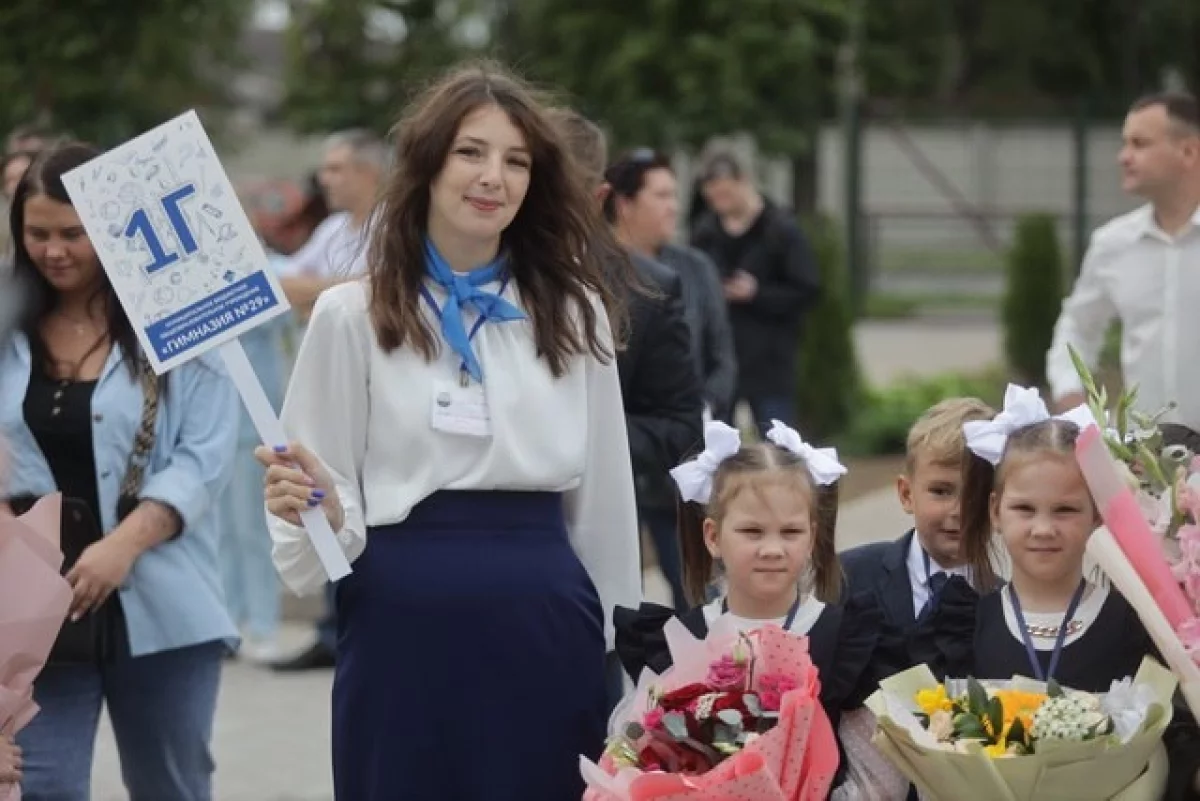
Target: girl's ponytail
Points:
(976, 521)
(827, 568)
(697, 561)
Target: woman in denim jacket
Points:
(139, 461)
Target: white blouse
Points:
(368, 416)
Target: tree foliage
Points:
(354, 63)
(1027, 56)
(105, 70)
(677, 72)
(1033, 297)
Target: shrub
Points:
(829, 383)
(1033, 297)
(881, 425)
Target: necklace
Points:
(1050, 632)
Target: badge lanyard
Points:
(1058, 642)
(464, 378)
(787, 622)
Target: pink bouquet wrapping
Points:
(1140, 564)
(34, 600)
(736, 717)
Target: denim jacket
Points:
(172, 597)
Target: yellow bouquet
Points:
(1023, 740)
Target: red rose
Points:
(677, 700)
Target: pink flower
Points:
(726, 674)
(1189, 634)
(771, 689)
(653, 719)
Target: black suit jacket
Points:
(663, 402)
(882, 568)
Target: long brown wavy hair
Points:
(560, 251)
(752, 466)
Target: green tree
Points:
(354, 63)
(829, 386)
(1033, 297)
(1026, 57)
(677, 72)
(105, 70)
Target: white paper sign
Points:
(187, 267)
(175, 242)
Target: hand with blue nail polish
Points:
(296, 480)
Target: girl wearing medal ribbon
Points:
(768, 512)
(1049, 621)
(457, 414)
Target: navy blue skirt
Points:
(470, 656)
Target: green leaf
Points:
(1151, 465)
(977, 698)
(995, 714)
(753, 705)
(730, 717)
(676, 725)
(1054, 689)
(1081, 368)
(1016, 733)
(970, 727)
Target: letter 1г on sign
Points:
(139, 223)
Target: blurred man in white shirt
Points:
(1143, 268)
(351, 169)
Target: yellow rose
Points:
(934, 700)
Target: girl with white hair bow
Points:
(767, 513)
(1023, 491)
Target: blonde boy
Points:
(906, 574)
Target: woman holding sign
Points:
(459, 419)
(139, 461)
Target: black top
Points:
(59, 415)
(664, 407)
(1111, 648)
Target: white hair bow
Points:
(695, 477)
(822, 463)
(1023, 406)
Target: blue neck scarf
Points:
(464, 290)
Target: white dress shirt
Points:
(1134, 271)
(916, 573)
(368, 416)
(336, 249)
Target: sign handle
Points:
(266, 422)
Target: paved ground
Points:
(272, 735)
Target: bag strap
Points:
(143, 440)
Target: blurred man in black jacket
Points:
(770, 279)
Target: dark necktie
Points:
(936, 583)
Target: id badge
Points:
(459, 409)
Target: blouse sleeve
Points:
(601, 512)
(326, 411)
